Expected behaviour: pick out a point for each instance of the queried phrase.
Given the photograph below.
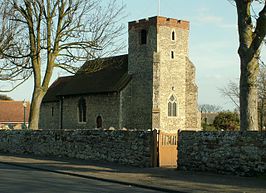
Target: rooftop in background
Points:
(13, 111)
(208, 117)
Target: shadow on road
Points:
(166, 176)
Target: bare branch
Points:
(15, 85)
(37, 36)
(232, 92)
(260, 30)
(207, 108)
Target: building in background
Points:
(14, 114)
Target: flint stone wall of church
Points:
(172, 75)
(240, 153)
(50, 115)
(124, 147)
(192, 114)
(106, 106)
(140, 67)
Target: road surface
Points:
(15, 179)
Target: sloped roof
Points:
(94, 77)
(13, 111)
(115, 62)
(57, 86)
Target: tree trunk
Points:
(250, 40)
(248, 93)
(37, 97)
(261, 109)
(261, 112)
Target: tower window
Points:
(173, 35)
(172, 54)
(143, 37)
(172, 106)
(82, 110)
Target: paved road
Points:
(21, 180)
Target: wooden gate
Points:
(167, 149)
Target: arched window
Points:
(172, 106)
(99, 122)
(173, 35)
(143, 37)
(82, 110)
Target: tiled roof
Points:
(13, 111)
(96, 76)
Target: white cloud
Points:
(210, 19)
(205, 17)
(216, 55)
(214, 76)
(214, 45)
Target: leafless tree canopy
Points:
(208, 108)
(231, 91)
(39, 35)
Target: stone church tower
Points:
(153, 86)
(162, 93)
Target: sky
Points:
(213, 43)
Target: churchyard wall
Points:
(240, 153)
(125, 147)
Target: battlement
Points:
(159, 21)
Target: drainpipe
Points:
(61, 112)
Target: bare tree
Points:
(38, 36)
(231, 91)
(261, 96)
(207, 108)
(252, 31)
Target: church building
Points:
(153, 86)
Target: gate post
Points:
(177, 147)
(154, 147)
